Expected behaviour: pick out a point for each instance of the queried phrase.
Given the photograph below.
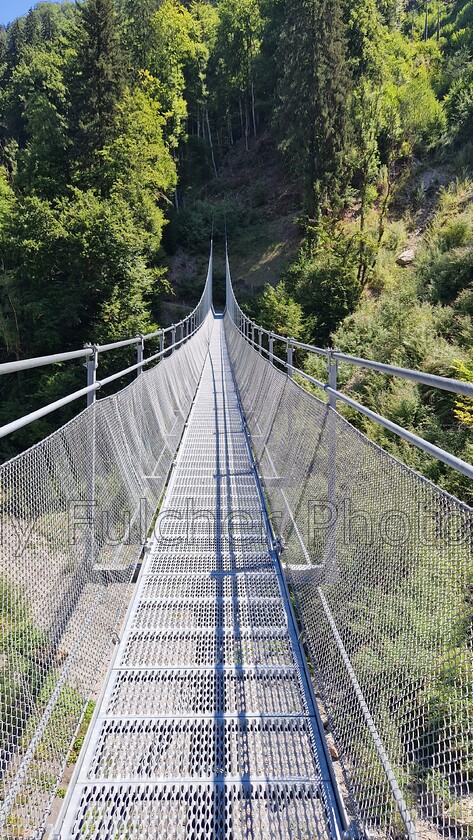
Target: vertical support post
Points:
(331, 573)
(161, 341)
(260, 341)
(252, 333)
(271, 348)
(173, 338)
(182, 330)
(92, 364)
(289, 353)
(139, 354)
(332, 368)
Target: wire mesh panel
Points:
(75, 514)
(380, 562)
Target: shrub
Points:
(446, 274)
(456, 234)
(326, 282)
(279, 312)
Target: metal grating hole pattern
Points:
(242, 585)
(212, 560)
(205, 729)
(204, 811)
(201, 692)
(228, 612)
(195, 748)
(207, 648)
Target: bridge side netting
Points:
(75, 514)
(380, 564)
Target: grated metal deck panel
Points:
(206, 728)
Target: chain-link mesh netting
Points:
(75, 513)
(381, 568)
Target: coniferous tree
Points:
(139, 36)
(313, 97)
(96, 88)
(16, 43)
(32, 29)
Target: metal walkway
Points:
(206, 727)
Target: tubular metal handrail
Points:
(248, 329)
(188, 327)
(455, 386)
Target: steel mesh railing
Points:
(74, 517)
(380, 565)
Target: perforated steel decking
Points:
(206, 728)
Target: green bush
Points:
(278, 311)
(459, 106)
(326, 281)
(446, 275)
(456, 234)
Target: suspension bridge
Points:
(226, 613)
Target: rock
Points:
(407, 257)
(332, 748)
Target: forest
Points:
(128, 127)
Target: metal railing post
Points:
(139, 354)
(289, 359)
(252, 333)
(330, 561)
(92, 365)
(173, 338)
(271, 348)
(161, 341)
(332, 369)
(260, 341)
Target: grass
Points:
(262, 253)
(78, 743)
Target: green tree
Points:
(279, 312)
(75, 269)
(96, 88)
(313, 98)
(235, 62)
(36, 104)
(138, 32)
(176, 38)
(140, 164)
(325, 281)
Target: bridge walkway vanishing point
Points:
(207, 725)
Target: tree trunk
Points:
(211, 142)
(247, 125)
(253, 108)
